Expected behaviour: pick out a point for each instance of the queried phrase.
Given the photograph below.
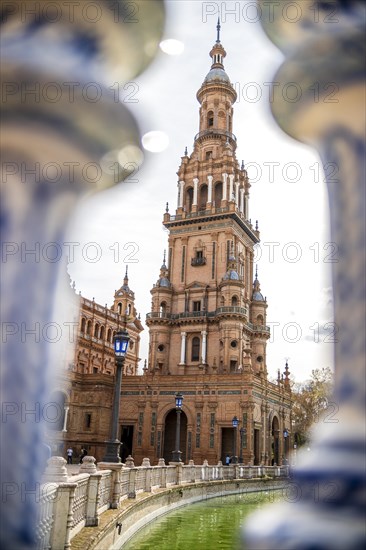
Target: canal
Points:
(209, 525)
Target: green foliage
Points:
(310, 402)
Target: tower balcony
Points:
(201, 315)
(232, 310)
(215, 134)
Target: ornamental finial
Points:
(218, 27)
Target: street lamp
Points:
(243, 431)
(176, 455)
(121, 340)
(235, 423)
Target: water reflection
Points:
(214, 523)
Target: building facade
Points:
(82, 392)
(207, 324)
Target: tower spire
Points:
(218, 27)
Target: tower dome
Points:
(257, 295)
(163, 280)
(217, 74)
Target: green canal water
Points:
(209, 525)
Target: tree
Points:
(311, 402)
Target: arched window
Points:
(163, 307)
(129, 309)
(259, 320)
(109, 335)
(83, 324)
(203, 197)
(234, 301)
(218, 194)
(96, 330)
(89, 327)
(119, 307)
(195, 349)
(210, 119)
(189, 199)
(101, 333)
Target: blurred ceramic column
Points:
(64, 130)
(325, 60)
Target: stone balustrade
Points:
(69, 503)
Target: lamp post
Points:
(235, 423)
(121, 340)
(243, 431)
(285, 435)
(176, 455)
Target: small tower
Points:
(287, 377)
(124, 306)
(124, 300)
(158, 321)
(258, 319)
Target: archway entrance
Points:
(275, 441)
(169, 435)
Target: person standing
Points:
(84, 452)
(69, 453)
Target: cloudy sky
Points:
(288, 194)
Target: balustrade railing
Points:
(80, 500)
(219, 311)
(45, 516)
(90, 494)
(105, 490)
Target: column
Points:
(264, 432)
(209, 194)
(195, 191)
(180, 194)
(224, 187)
(66, 409)
(231, 186)
(237, 194)
(204, 346)
(183, 348)
(241, 208)
(246, 207)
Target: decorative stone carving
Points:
(56, 470)
(88, 465)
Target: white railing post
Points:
(91, 512)
(163, 467)
(116, 490)
(55, 471)
(146, 464)
(220, 469)
(179, 473)
(192, 471)
(60, 535)
(132, 483)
